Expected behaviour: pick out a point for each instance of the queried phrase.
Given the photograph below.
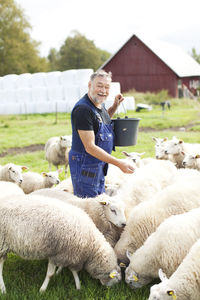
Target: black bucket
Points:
(125, 131)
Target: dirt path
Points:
(40, 147)
(19, 150)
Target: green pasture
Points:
(24, 278)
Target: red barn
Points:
(154, 66)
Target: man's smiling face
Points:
(99, 89)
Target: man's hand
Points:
(125, 167)
(118, 99)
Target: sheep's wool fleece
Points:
(39, 227)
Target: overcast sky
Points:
(110, 23)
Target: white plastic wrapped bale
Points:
(10, 96)
(9, 81)
(10, 108)
(24, 97)
(38, 79)
(129, 103)
(71, 96)
(1, 85)
(114, 90)
(68, 77)
(83, 89)
(53, 79)
(55, 93)
(23, 81)
(40, 99)
(83, 76)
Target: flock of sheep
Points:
(147, 223)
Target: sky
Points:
(110, 23)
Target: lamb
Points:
(107, 213)
(177, 198)
(56, 151)
(33, 181)
(164, 249)
(67, 237)
(9, 188)
(11, 172)
(176, 148)
(65, 185)
(192, 160)
(184, 283)
(160, 145)
(146, 182)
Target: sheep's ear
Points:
(128, 254)
(154, 139)
(126, 153)
(61, 138)
(60, 170)
(162, 275)
(44, 174)
(197, 156)
(140, 154)
(180, 141)
(165, 139)
(24, 168)
(172, 293)
(183, 153)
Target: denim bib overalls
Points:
(87, 172)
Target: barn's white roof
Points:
(173, 56)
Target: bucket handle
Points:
(125, 111)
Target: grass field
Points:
(24, 278)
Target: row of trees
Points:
(19, 52)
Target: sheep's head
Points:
(162, 291)
(66, 141)
(133, 279)
(114, 210)
(111, 278)
(15, 172)
(135, 157)
(174, 146)
(52, 177)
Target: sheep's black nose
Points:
(166, 152)
(20, 181)
(123, 224)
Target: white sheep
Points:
(59, 232)
(33, 181)
(56, 151)
(107, 213)
(184, 283)
(145, 182)
(176, 148)
(66, 185)
(191, 160)
(9, 188)
(160, 145)
(177, 198)
(11, 172)
(164, 249)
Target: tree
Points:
(53, 58)
(18, 52)
(78, 52)
(195, 55)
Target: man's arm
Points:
(88, 139)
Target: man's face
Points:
(99, 89)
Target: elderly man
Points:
(93, 138)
